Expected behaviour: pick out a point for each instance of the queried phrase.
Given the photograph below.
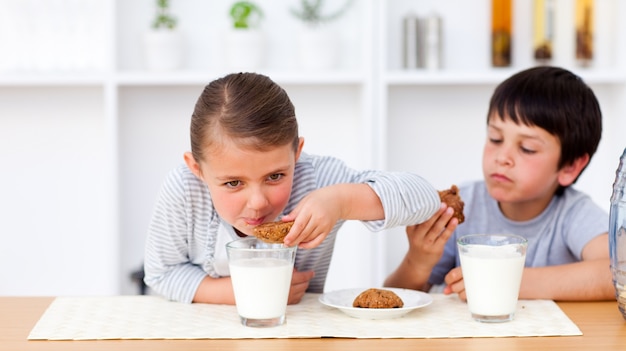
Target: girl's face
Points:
(520, 167)
(248, 187)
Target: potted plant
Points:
(163, 42)
(318, 44)
(310, 12)
(245, 42)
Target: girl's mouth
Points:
(254, 221)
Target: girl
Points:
(247, 167)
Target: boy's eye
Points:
(526, 150)
(233, 183)
(275, 177)
(495, 140)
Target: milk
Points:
(261, 286)
(492, 277)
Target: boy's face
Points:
(520, 163)
(248, 187)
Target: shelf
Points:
(144, 78)
(486, 77)
(56, 79)
(185, 78)
(179, 78)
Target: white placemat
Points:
(152, 317)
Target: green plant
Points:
(163, 17)
(310, 12)
(245, 14)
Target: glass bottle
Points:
(411, 43)
(584, 24)
(501, 13)
(617, 234)
(543, 35)
(431, 32)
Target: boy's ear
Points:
(569, 173)
(193, 166)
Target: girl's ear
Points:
(193, 166)
(300, 146)
(568, 174)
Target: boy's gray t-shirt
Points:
(557, 236)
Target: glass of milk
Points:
(261, 278)
(492, 266)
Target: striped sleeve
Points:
(407, 198)
(168, 269)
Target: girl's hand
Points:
(314, 217)
(427, 240)
(455, 284)
(299, 284)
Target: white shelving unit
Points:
(86, 150)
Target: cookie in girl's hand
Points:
(272, 232)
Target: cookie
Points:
(452, 198)
(272, 232)
(378, 298)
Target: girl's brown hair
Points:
(247, 107)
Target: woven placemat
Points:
(152, 317)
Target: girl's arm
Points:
(316, 215)
(220, 290)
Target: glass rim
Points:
(265, 247)
(522, 240)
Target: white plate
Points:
(342, 299)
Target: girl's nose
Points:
(257, 199)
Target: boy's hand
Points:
(299, 284)
(427, 240)
(455, 284)
(314, 217)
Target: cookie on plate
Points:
(378, 298)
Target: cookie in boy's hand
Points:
(452, 198)
(272, 232)
(378, 298)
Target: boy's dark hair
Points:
(557, 101)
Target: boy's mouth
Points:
(499, 177)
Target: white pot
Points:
(163, 50)
(318, 48)
(245, 49)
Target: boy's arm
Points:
(426, 245)
(589, 279)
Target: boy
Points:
(543, 126)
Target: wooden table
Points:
(601, 323)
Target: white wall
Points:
(53, 216)
(82, 162)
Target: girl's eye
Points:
(233, 183)
(495, 140)
(275, 177)
(527, 151)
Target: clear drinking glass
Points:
(261, 278)
(492, 266)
